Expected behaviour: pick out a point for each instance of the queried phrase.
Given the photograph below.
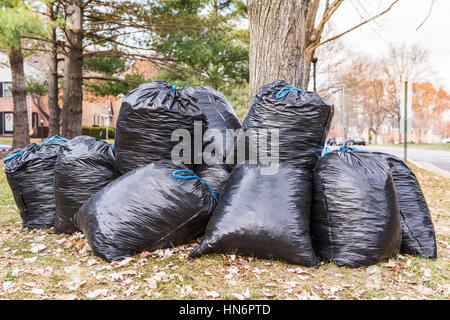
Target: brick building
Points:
(96, 110)
(35, 117)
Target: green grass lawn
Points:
(8, 140)
(43, 265)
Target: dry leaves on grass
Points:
(212, 294)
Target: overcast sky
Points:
(399, 26)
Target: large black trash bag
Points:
(30, 173)
(262, 215)
(220, 116)
(355, 220)
(145, 209)
(148, 116)
(303, 119)
(418, 237)
(84, 166)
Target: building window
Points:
(1, 89)
(7, 89)
(34, 120)
(8, 122)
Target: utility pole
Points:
(344, 135)
(314, 61)
(405, 133)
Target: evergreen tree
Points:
(17, 22)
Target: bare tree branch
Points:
(426, 18)
(354, 27)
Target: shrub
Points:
(98, 132)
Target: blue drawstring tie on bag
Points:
(11, 156)
(192, 176)
(327, 150)
(285, 90)
(54, 138)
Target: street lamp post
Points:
(41, 120)
(405, 134)
(314, 61)
(344, 135)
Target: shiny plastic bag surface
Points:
(301, 119)
(84, 166)
(145, 209)
(418, 236)
(148, 117)
(262, 215)
(31, 173)
(355, 220)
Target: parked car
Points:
(4, 147)
(356, 140)
(446, 140)
(335, 141)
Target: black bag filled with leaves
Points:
(156, 206)
(302, 119)
(221, 117)
(418, 236)
(263, 215)
(148, 116)
(31, 173)
(355, 220)
(84, 166)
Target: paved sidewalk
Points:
(431, 167)
(437, 161)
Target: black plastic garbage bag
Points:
(84, 166)
(145, 209)
(418, 236)
(221, 117)
(148, 116)
(30, 173)
(355, 220)
(302, 119)
(262, 215)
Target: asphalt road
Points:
(438, 158)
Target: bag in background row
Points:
(31, 174)
(52, 180)
(84, 166)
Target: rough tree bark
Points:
(53, 107)
(73, 78)
(284, 36)
(278, 42)
(21, 135)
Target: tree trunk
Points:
(278, 42)
(21, 135)
(73, 83)
(53, 107)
